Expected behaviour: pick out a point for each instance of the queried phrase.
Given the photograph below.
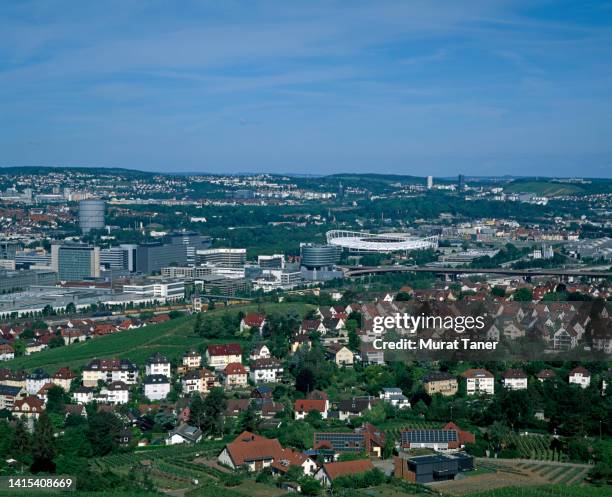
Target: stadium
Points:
(356, 241)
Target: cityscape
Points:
(321, 249)
(191, 334)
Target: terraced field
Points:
(521, 474)
(536, 447)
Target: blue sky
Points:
(409, 87)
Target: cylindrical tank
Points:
(91, 215)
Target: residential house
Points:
(395, 397)
(184, 434)
(251, 452)
(116, 392)
(158, 364)
(156, 386)
(265, 371)
(330, 471)
(514, 379)
(260, 351)
(36, 380)
(235, 375)
(109, 370)
(6, 352)
(580, 376)
(191, 359)
(546, 374)
(200, 380)
(302, 407)
(440, 382)
(290, 457)
(28, 407)
(479, 381)
(253, 320)
(340, 354)
(63, 378)
(83, 395)
(8, 396)
(356, 406)
(220, 355)
(366, 439)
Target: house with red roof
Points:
(218, 356)
(251, 452)
(302, 407)
(252, 320)
(580, 376)
(235, 375)
(28, 407)
(332, 470)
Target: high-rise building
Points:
(461, 183)
(429, 182)
(192, 240)
(75, 262)
(152, 257)
(91, 215)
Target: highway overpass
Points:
(356, 271)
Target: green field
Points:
(171, 338)
(551, 189)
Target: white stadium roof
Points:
(357, 241)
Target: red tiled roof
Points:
(337, 469)
(254, 319)
(235, 368)
(307, 405)
(477, 373)
(224, 349)
(250, 447)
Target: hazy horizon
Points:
(482, 88)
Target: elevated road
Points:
(353, 271)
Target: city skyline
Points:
(499, 88)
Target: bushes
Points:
(361, 480)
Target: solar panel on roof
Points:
(429, 436)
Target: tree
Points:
(103, 432)
(208, 414)
(43, 445)
(248, 419)
(197, 324)
(304, 382)
(21, 444)
(354, 342)
(56, 400)
(309, 485)
(523, 295)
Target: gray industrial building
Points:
(15, 280)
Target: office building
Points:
(429, 182)
(275, 261)
(152, 257)
(313, 256)
(114, 258)
(193, 241)
(91, 215)
(166, 290)
(225, 257)
(75, 261)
